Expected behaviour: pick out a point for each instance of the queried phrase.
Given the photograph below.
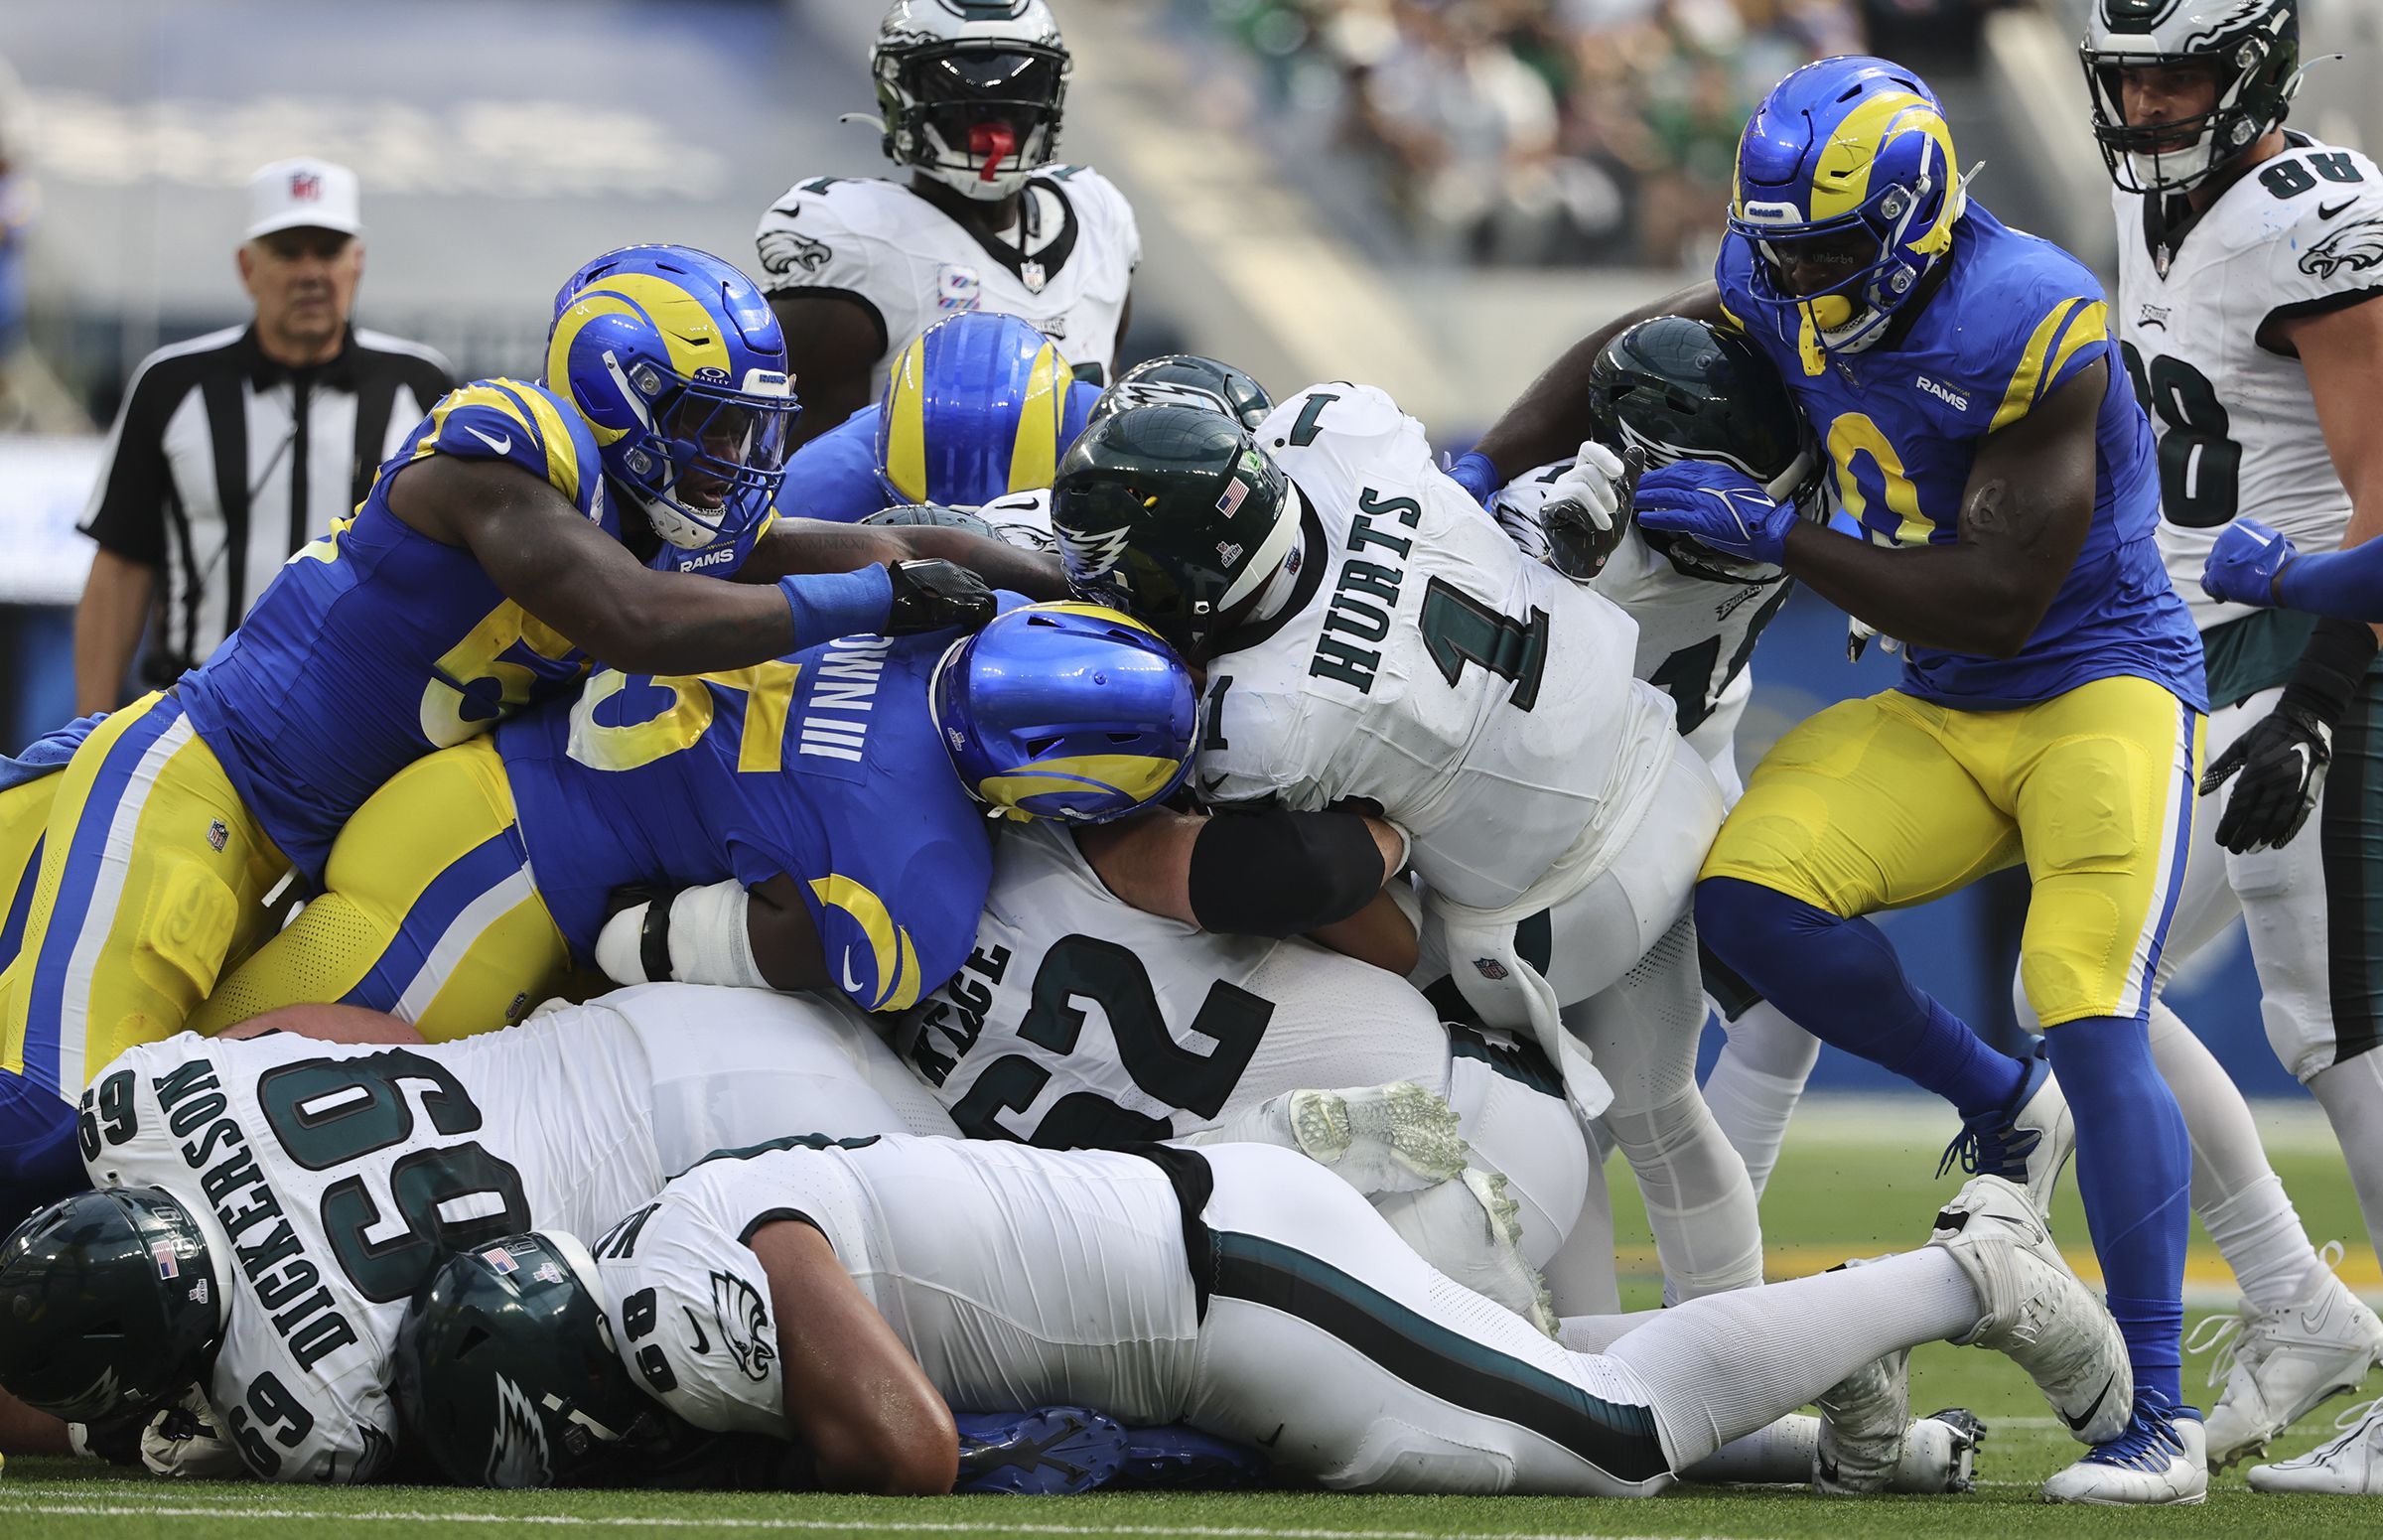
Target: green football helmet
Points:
(108, 1304)
(1175, 515)
(1186, 380)
(1672, 388)
(505, 1374)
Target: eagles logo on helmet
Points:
(2250, 48)
(970, 91)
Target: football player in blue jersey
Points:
(978, 406)
(801, 818)
(1961, 376)
(523, 531)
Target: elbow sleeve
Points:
(1280, 873)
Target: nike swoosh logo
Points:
(1274, 1438)
(1209, 783)
(2077, 1423)
(703, 1345)
(2323, 212)
(851, 984)
(502, 443)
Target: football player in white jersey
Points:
(844, 1297)
(2250, 261)
(284, 1195)
(1670, 388)
(1372, 640)
(970, 93)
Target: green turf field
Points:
(1856, 1181)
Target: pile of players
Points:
(1232, 1101)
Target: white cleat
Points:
(2160, 1459)
(1863, 1420)
(2036, 1311)
(1939, 1452)
(1470, 1231)
(2351, 1466)
(1396, 1138)
(2277, 1365)
(2028, 1145)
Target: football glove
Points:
(1568, 515)
(2246, 566)
(937, 594)
(184, 1440)
(1474, 473)
(2282, 760)
(1718, 505)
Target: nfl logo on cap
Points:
(304, 194)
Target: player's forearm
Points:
(107, 629)
(1550, 418)
(693, 624)
(1957, 598)
(1036, 574)
(2348, 584)
(24, 1431)
(1380, 933)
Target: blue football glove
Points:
(2246, 564)
(1720, 505)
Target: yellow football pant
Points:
(1890, 801)
(23, 814)
(152, 876)
(430, 913)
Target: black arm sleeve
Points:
(1278, 874)
(2331, 668)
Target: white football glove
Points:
(1585, 493)
(185, 1442)
(1593, 482)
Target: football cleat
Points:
(1396, 1138)
(2159, 1458)
(2348, 1465)
(1862, 1418)
(1940, 1452)
(2027, 1141)
(1050, 1451)
(2276, 1365)
(1470, 1231)
(2036, 1312)
(1179, 1457)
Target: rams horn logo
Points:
(2356, 247)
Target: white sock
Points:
(2241, 1204)
(2351, 1093)
(1720, 1367)
(1699, 1202)
(1778, 1453)
(1756, 1083)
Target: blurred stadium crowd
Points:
(1536, 134)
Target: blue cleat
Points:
(1049, 1452)
(2026, 1142)
(1184, 1458)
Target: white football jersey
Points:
(330, 1178)
(1423, 664)
(910, 262)
(2300, 234)
(1082, 1020)
(1016, 1277)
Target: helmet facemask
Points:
(1877, 249)
(707, 457)
(2254, 68)
(978, 116)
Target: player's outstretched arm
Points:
(795, 546)
(2024, 517)
(2342, 353)
(854, 1396)
(1550, 418)
(1270, 872)
(570, 574)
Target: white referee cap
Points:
(308, 192)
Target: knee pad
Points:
(189, 922)
(2091, 819)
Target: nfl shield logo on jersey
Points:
(1029, 273)
(957, 286)
(1490, 968)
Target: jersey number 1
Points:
(1458, 628)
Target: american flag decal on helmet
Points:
(1234, 492)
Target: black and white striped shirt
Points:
(222, 463)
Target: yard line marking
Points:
(829, 1526)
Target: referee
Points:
(234, 448)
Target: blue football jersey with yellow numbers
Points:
(2014, 319)
(825, 767)
(376, 645)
